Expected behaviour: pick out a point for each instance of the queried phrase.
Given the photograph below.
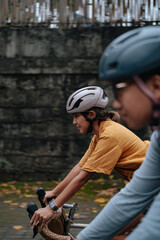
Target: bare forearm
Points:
(62, 185)
(71, 189)
(43, 214)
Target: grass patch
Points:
(90, 189)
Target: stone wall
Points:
(39, 69)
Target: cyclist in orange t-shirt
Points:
(112, 147)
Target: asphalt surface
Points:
(14, 220)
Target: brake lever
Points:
(31, 208)
(41, 193)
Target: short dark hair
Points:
(147, 75)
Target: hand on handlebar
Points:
(49, 195)
(41, 216)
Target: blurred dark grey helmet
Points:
(133, 53)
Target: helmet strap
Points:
(90, 128)
(156, 103)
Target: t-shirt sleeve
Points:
(89, 152)
(103, 157)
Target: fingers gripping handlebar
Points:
(41, 193)
(47, 232)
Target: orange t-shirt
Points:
(116, 148)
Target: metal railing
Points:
(75, 13)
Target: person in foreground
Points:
(132, 64)
(112, 146)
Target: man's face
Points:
(134, 106)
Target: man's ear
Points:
(91, 114)
(154, 85)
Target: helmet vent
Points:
(91, 88)
(76, 105)
(113, 65)
(104, 95)
(125, 39)
(70, 102)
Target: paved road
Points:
(14, 222)
(14, 216)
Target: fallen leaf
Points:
(111, 176)
(4, 184)
(34, 188)
(13, 187)
(101, 180)
(94, 211)
(29, 195)
(56, 182)
(23, 205)
(7, 201)
(18, 191)
(104, 204)
(39, 183)
(100, 200)
(125, 182)
(108, 192)
(90, 208)
(12, 182)
(76, 214)
(115, 184)
(18, 227)
(13, 204)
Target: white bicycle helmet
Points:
(86, 98)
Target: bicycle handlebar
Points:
(46, 231)
(53, 235)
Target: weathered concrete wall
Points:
(39, 69)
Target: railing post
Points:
(75, 12)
